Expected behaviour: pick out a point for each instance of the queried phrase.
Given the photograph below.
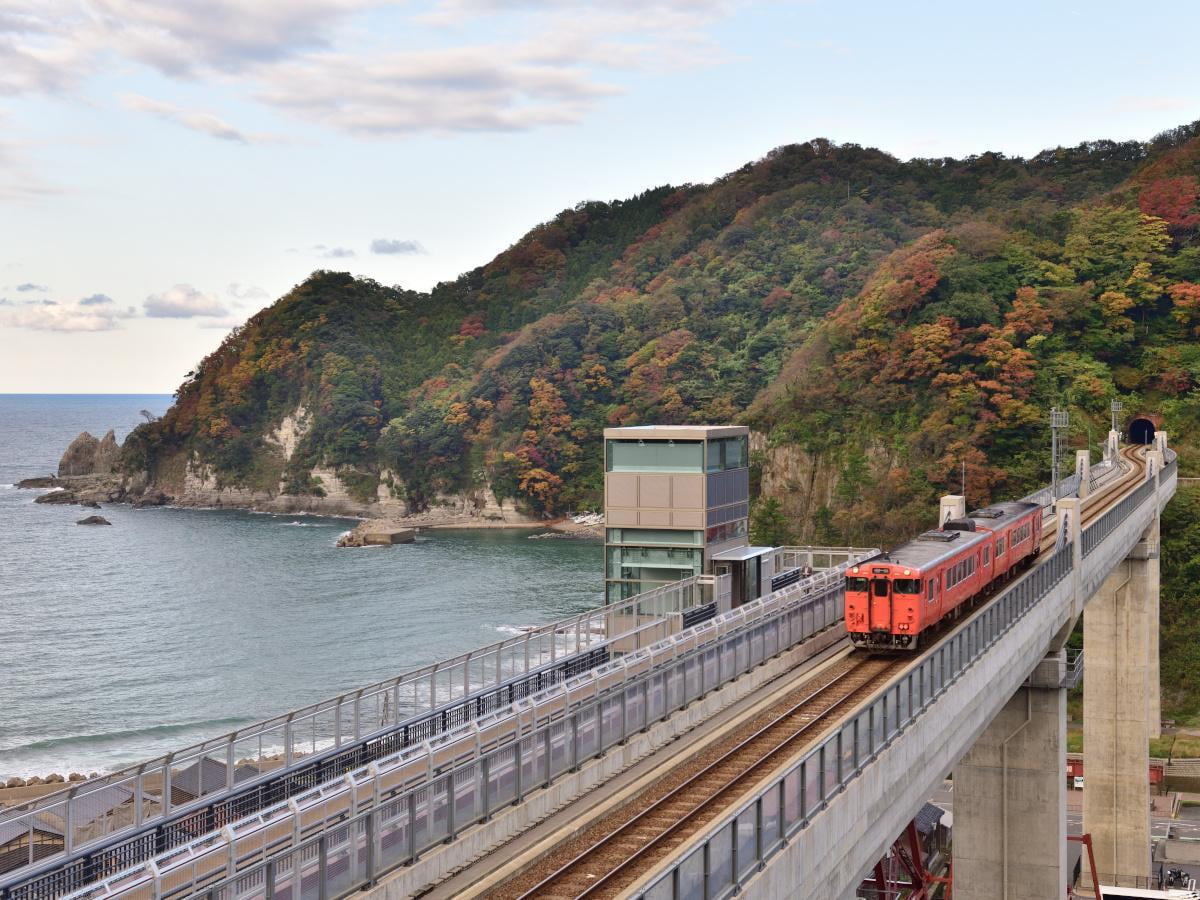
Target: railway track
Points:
(1099, 502)
(609, 856)
(613, 853)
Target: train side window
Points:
(1000, 547)
(929, 590)
(987, 555)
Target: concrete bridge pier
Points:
(1120, 713)
(1010, 805)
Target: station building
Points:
(675, 497)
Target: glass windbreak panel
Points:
(655, 537)
(655, 456)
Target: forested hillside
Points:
(892, 319)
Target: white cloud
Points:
(391, 247)
(203, 122)
(548, 67)
(246, 292)
(460, 89)
(54, 317)
(183, 301)
(332, 252)
(30, 286)
(96, 300)
(224, 35)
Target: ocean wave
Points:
(6, 486)
(311, 524)
(206, 726)
(513, 630)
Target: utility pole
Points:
(1059, 421)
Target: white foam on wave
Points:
(513, 630)
(5, 486)
(311, 525)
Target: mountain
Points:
(880, 323)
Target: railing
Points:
(323, 741)
(730, 851)
(1073, 674)
(1100, 529)
(376, 818)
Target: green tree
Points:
(769, 527)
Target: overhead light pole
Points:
(1059, 421)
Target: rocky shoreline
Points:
(87, 477)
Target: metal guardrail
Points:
(1073, 673)
(729, 852)
(321, 741)
(346, 834)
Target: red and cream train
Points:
(893, 599)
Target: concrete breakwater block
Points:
(389, 536)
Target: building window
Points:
(720, 533)
(727, 453)
(654, 456)
(653, 536)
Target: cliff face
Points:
(887, 326)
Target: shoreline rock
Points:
(94, 520)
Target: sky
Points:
(168, 169)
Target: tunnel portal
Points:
(1141, 431)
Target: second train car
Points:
(894, 598)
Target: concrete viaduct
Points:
(447, 780)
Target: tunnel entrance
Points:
(1141, 431)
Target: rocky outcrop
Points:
(94, 520)
(56, 497)
(45, 481)
(106, 455)
(88, 456)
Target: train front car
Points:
(884, 609)
(892, 600)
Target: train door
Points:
(881, 603)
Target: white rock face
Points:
(290, 432)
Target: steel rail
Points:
(714, 795)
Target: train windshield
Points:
(907, 586)
(856, 584)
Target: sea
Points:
(121, 643)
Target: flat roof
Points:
(739, 553)
(674, 432)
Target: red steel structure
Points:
(908, 877)
(892, 599)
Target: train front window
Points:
(856, 584)
(907, 585)
(881, 587)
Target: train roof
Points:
(997, 514)
(932, 547)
